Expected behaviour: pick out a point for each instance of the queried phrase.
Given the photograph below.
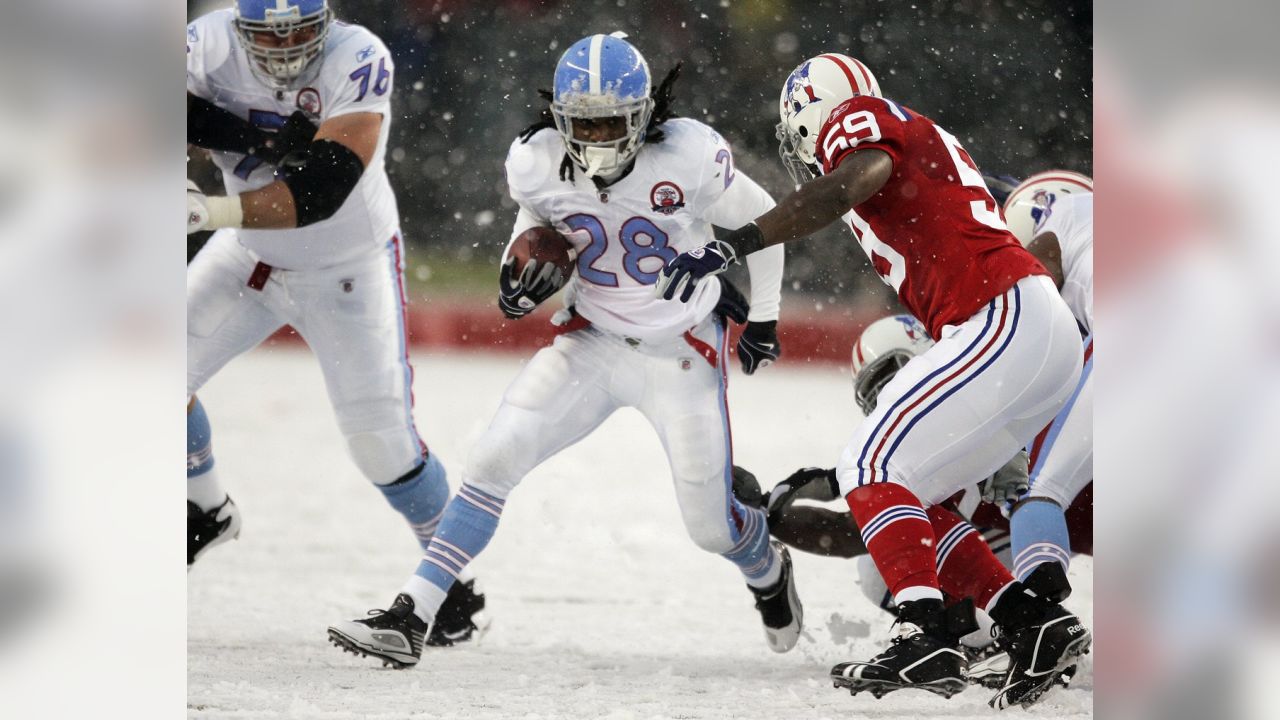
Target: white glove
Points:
(211, 213)
(1009, 483)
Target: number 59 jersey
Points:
(625, 233)
(933, 232)
(352, 75)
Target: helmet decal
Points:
(799, 80)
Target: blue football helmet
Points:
(602, 76)
(263, 27)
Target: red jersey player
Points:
(1006, 359)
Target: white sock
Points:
(427, 598)
(918, 592)
(205, 491)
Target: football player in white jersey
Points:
(308, 236)
(631, 186)
(1051, 213)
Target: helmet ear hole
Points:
(804, 131)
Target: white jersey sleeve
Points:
(1070, 219)
(742, 202)
(208, 48)
(357, 75)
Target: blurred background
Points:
(1010, 79)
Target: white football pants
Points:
(1062, 454)
(570, 388)
(351, 315)
(956, 413)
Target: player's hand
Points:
(1009, 483)
(759, 347)
(809, 483)
(197, 208)
(296, 134)
(686, 270)
(733, 305)
(746, 488)
(518, 296)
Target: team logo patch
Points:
(798, 82)
(912, 327)
(666, 197)
(365, 54)
(1042, 207)
(191, 34)
(309, 101)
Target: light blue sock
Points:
(752, 553)
(420, 497)
(1039, 533)
(203, 488)
(466, 528)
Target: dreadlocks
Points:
(663, 96)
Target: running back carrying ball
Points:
(538, 263)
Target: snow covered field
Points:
(601, 605)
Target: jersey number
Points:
(970, 177)
(874, 247)
(859, 127)
(634, 251)
(266, 120)
(365, 72)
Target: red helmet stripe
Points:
(848, 74)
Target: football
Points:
(544, 245)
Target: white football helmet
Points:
(1031, 203)
(881, 351)
(811, 92)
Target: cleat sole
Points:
(350, 645)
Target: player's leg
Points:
(951, 416)
(1061, 465)
(559, 397)
(353, 317)
(685, 401)
(225, 317)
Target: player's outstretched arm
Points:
(860, 175)
(314, 181)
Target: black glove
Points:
(518, 297)
(758, 347)
(746, 488)
(296, 134)
(733, 305)
(809, 483)
(686, 270)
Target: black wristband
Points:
(745, 240)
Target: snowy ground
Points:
(601, 605)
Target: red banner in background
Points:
(815, 337)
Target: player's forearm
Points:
(269, 208)
(819, 531)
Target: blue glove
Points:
(758, 347)
(686, 270)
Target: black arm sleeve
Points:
(320, 178)
(209, 126)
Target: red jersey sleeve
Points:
(862, 122)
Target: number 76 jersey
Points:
(354, 75)
(933, 232)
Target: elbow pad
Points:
(320, 178)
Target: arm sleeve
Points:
(743, 201)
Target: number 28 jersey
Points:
(933, 232)
(353, 75)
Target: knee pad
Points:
(384, 455)
(494, 465)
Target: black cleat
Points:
(460, 618)
(206, 529)
(779, 606)
(1044, 640)
(393, 636)
(925, 653)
